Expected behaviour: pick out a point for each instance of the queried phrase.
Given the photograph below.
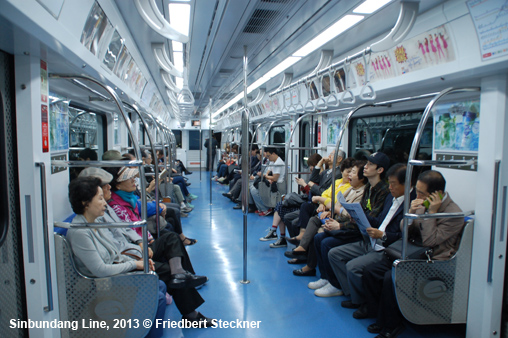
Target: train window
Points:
(86, 130)
(278, 135)
(194, 140)
(391, 134)
(178, 137)
(304, 142)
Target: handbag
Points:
(292, 200)
(413, 251)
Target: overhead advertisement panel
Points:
(490, 18)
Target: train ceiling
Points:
(271, 29)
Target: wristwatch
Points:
(384, 238)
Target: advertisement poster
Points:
(457, 126)
(422, 51)
(333, 127)
(425, 50)
(490, 18)
(59, 126)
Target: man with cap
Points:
(172, 263)
(373, 200)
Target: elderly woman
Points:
(125, 202)
(172, 262)
(95, 254)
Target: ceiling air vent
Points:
(260, 21)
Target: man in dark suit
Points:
(348, 261)
(213, 144)
(441, 234)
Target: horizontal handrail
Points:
(70, 164)
(442, 162)
(440, 215)
(69, 225)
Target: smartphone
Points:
(426, 203)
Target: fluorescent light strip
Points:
(179, 17)
(370, 6)
(330, 33)
(288, 62)
(179, 82)
(177, 46)
(178, 61)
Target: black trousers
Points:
(173, 217)
(164, 248)
(209, 163)
(380, 294)
(307, 210)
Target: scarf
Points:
(128, 197)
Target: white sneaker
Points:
(318, 284)
(328, 291)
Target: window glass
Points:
(390, 134)
(178, 137)
(194, 143)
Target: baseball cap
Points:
(380, 159)
(112, 155)
(102, 174)
(127, 173)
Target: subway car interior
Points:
(172, 168)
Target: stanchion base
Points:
(245, 281)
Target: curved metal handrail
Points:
(135, 143)
(156, 165)
(412, 156)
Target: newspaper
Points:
(355, 210)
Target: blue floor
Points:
(281, 302)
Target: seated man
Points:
(372, 202)
(275, 173)
(385, 229)
(441, 234)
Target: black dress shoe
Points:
(374, 328)
(228, 195)
(188, 172)
(387, 333)
(185, 280)
(236, 200)
(296, 254)
(293, 241)
(300, 272)
(361, 313)
(203, 321)
(297, 261)
(238, 206)
(349, 304)
(187, 183)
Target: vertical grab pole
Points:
(245, 166)
(210, 148)
(200, 149)
(336, 153)
(288, 181)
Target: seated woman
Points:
(319, 202)
(172, 263)
(281, 210)
(306, 244)
(125, 202)
(337, 232)
(95, 254)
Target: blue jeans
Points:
(180, 181)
